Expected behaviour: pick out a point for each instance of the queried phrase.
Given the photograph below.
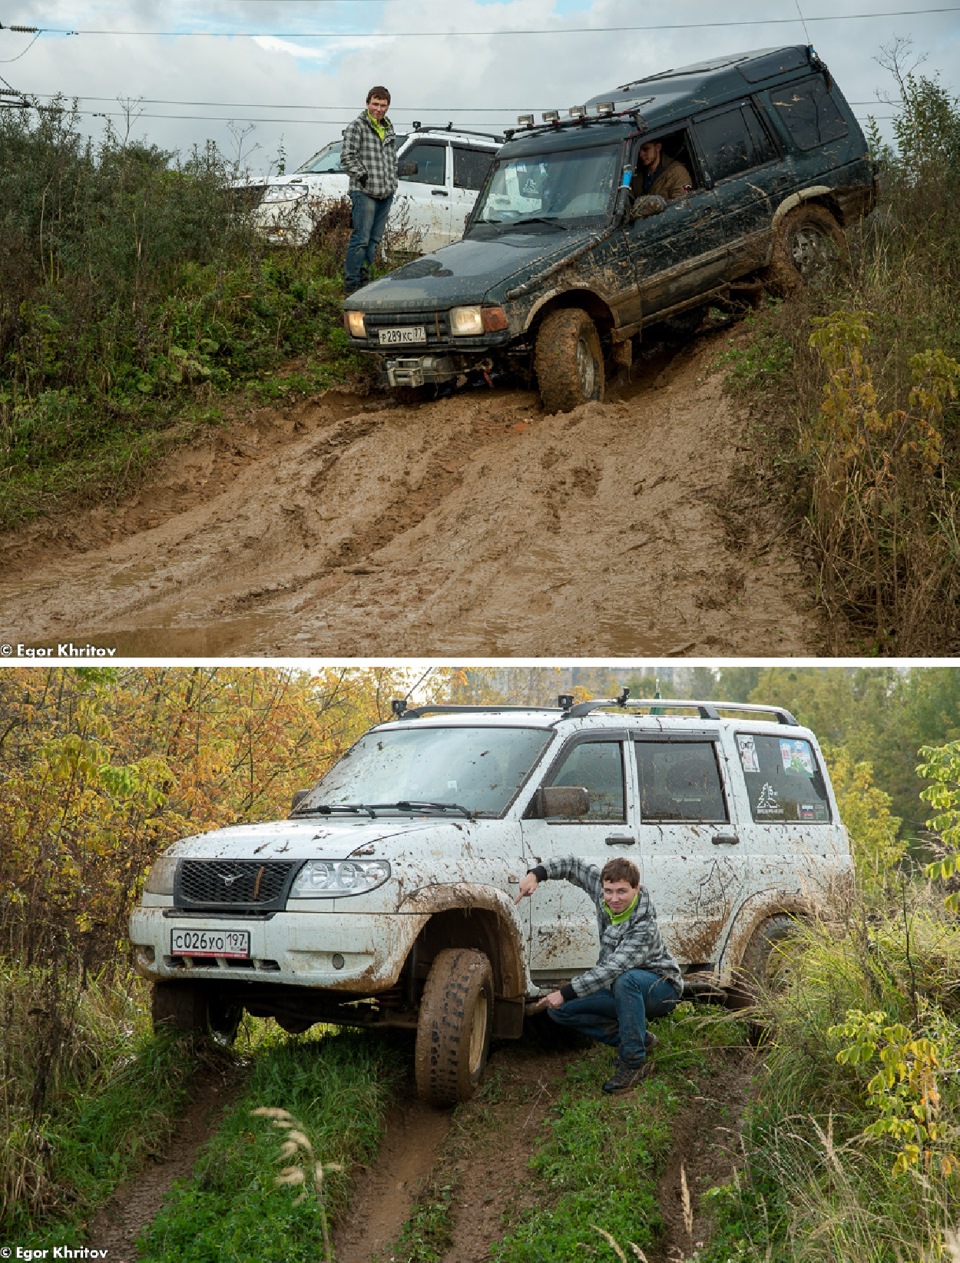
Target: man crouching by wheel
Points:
(635, 978)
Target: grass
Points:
(337, 1086)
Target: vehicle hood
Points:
(321, 837)
(469, 271)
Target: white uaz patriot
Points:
(387, 898)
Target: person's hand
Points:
(528, 885)
(554, 1000)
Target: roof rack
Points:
(461, 131)
(402, 711)
(572, 709)
(626, 113)
(705, 710)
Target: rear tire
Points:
(193, 1008)
(763, 963)
(568, 361)
(453, 1029)
(808, 242)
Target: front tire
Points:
(193, 1008)
(453, 1029)
(568, 360)
(807, 244)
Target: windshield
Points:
(571, 185)
(328, 159)
(476, 769)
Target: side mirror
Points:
(566, 801)
(298, 798)
(407, 169)
(647, 205)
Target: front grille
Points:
(246, 884)
(436, 325)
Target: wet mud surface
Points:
(470, 526)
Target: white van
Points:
(387, 897)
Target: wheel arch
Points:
(753, 915)
(584, 299)
(480, 917)
(817, 195)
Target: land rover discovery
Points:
(564, 260)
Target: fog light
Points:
(337, 961)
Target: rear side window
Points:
(470, 167)
(809, 112)
(734, 141)
(679, 781)
(783, 778)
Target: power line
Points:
(416, 34)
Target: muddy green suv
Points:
(565, 260)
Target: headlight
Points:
(160, 877)
(285, 193)
(329, 879)
(353, 323)
(467, 322)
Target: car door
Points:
(470, 166)
(694, 860)
(423, 205)
(563, 926)
(679, 253)
(740, 160)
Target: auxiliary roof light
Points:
(524, 120)
(604, 108)
(578, 111)
(551, 116)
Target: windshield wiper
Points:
(418, 805)
(328, 809)
(552, 220)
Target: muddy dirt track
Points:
(471, 526)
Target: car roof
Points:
(643, 713)
(668, 96)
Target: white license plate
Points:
(395, 337)
(234, 944)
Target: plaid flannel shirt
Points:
(370, 162)
(633, 944)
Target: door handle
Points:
(623, 840)
(725, 839)
(439, 192)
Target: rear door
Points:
(695, 858)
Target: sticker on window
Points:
(749, 759)
(797, 757)
(768, 805)
(812, 811)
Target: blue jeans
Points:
(618, 1015)
(369, 220)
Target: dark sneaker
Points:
(625, 1078)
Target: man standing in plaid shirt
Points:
(635, 977)
(370, 159)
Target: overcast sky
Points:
(261, 77)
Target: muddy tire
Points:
(194, 1009)
(453, 1030)
(568, 360)
(762, 967)
(808, 243)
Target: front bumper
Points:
(352, 952)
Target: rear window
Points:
(783, 778)
(809, 112)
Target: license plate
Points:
(395, 337)
(234, 944)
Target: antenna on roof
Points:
(622, 699)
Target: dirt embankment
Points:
(468, 526)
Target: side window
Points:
(470, 167)
(734, 141)
(784, 780)
(424, 163)
(680, 780)
(809, 112)
(598, 767)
